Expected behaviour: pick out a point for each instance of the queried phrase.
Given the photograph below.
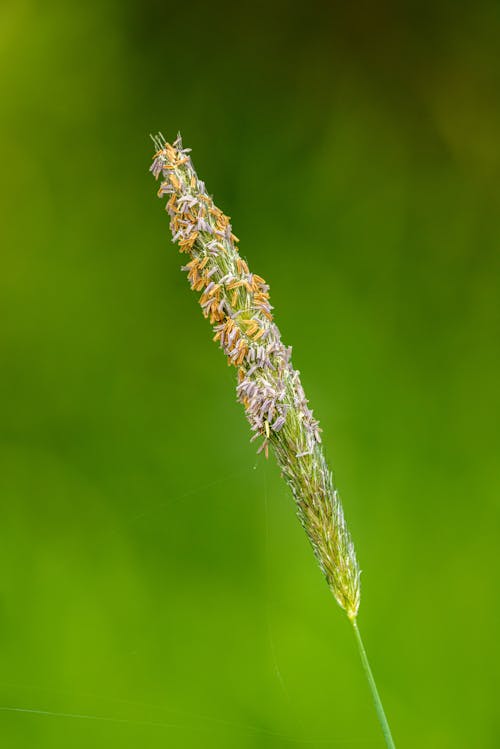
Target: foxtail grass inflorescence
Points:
(236, 302)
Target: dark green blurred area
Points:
(156, 588)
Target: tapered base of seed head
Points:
(350, 606)
(348, 599)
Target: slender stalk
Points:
(373, 688)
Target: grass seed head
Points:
(236, 302)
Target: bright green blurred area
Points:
(156, 588)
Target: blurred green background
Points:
(156, 589)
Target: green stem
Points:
(373, 688)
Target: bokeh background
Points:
(156, 589)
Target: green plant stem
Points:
(373, 688)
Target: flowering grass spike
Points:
(236, 302)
